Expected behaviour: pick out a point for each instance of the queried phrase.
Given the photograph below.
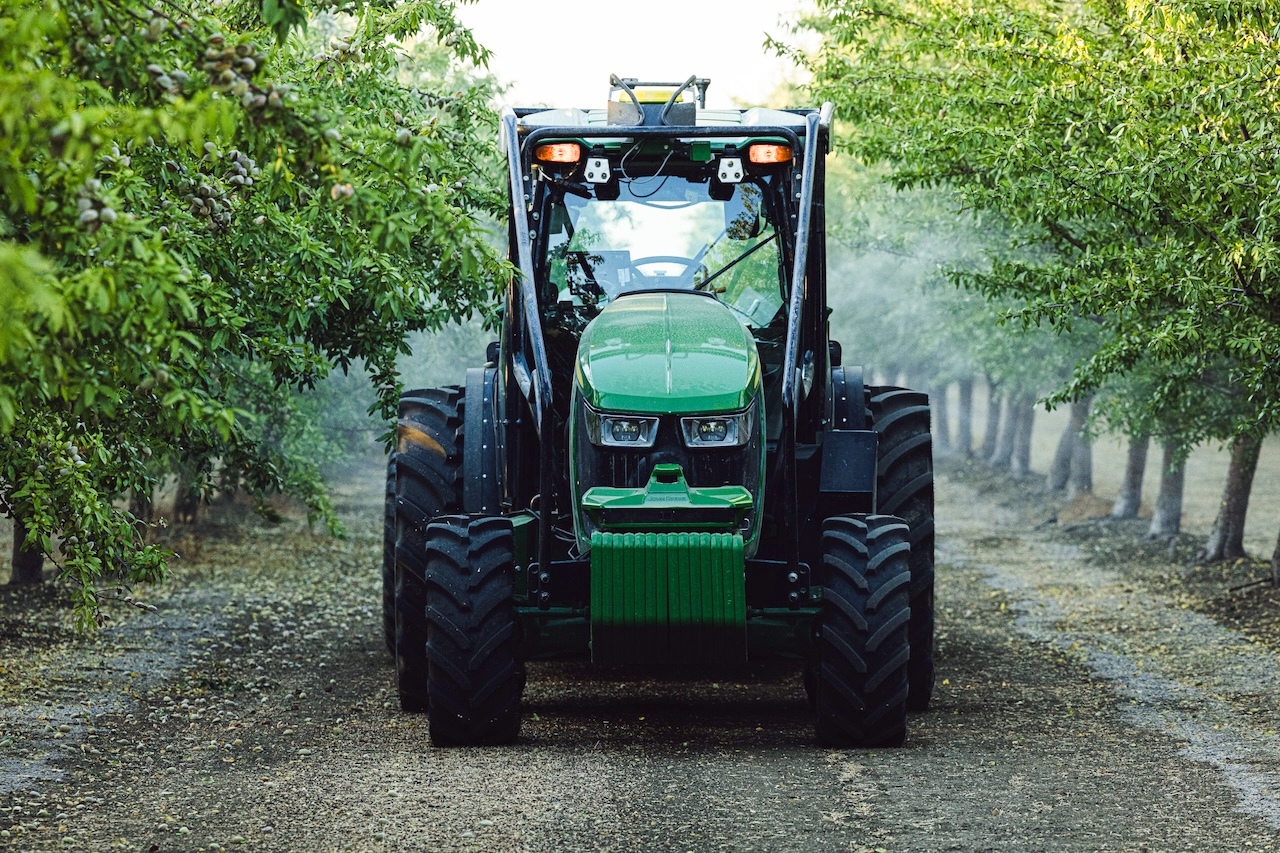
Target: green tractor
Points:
(663, 461)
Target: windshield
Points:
(666, 232)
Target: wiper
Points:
(733, 263)
(706, 250)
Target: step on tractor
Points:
(663, 461)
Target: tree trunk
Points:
(1024, 428)
(941, 420)
(28, 565)
(1226, 539)
(1081, 481)
(186, 502)
(1275, 564)
(1129, 501)
(993, 420)
(964, 418)
(1008, 429)
(1060, 467)
(1167, 518)
(1069, 444)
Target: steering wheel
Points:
(691, 265)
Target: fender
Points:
(481, 489)
(847, 483)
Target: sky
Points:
(561, 52)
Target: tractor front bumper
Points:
(667, 503)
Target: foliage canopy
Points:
(1134, 140)
(205, 207)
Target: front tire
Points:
(904, 487)
(862, 645)
(474, 675)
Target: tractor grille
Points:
(630, 469)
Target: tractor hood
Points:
(667, 353)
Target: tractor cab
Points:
(628, 204)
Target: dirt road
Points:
(1079, 708)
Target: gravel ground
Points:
(1094, 695)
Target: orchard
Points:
(206, 208)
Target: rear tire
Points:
(428, 454)
(389, 557)
(862, 645)
(474, 674)
(904, 487)
(424, 482)
(411, 638)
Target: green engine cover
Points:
(668, 598)
(680, 353)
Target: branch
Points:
(1061, 232)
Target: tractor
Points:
(663, 460)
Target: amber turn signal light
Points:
(558, 152)
(769, 154)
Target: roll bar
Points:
(791, 354)
(535, 380)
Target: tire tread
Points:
(421, 484)
(863, 647)
(905, 488)
(474, 675)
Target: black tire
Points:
(474, 674)
(862, 645)
(904, 486)
(411, 634)
(429, 435)
(427, 483)
(389, 557)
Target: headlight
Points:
(620, 430)
(717, 430)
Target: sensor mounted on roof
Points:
(640, 106)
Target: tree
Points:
(28, 563)
(1024, 428)
(964, 417)
(991, 436)
(1133, 141)
(201, 215)
(1131, 138)
(1195, 407)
